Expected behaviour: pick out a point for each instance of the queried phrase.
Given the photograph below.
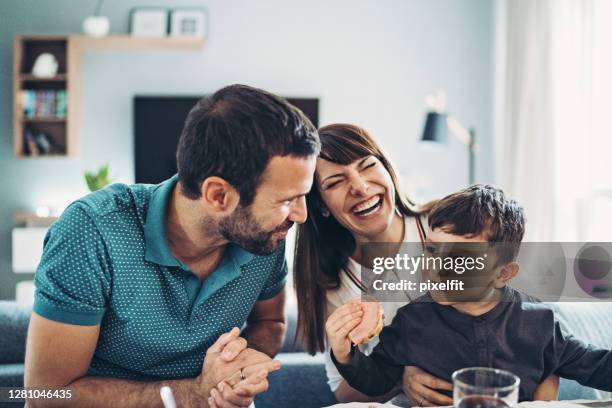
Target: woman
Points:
(355, 199)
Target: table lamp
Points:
(438, 124)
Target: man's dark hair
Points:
(234, 133)
(482, 209)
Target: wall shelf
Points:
(49, 119)
(60, 133)
(115, 42)
(32, 78)
(30, 219)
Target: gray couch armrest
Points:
(14, 320)
(590, 322)
(301, 382)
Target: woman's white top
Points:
(348, 290)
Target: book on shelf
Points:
(30, 148)
(37, 143)
(43, 103)
(61, 104)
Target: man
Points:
(137, 284)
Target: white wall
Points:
(371, 62)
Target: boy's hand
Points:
(339, 325)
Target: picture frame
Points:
(189, 22)
(149, 22)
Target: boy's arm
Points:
(585, 363)
(372, 375)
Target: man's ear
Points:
(506, 273)
(219, 196)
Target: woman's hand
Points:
(419, 386)
(339, 325)
(548, 390)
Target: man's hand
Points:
(241, 394)
(339, 325)
(419, 387)
(240, 389)
(227, 357)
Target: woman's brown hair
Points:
(323, 246)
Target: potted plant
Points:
(97, 180)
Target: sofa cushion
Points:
(291, 343)
(11, 375)
(301, 382)
(591, 322)
(14, 321)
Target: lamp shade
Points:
(435, 128)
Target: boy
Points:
(488, 324)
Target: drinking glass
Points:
(481, 387)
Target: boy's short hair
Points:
(482, 209)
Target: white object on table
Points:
(564, 404)
(167, 397)
(524, 404)
(364, 405)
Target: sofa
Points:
(302, 382)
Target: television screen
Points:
(158, 122)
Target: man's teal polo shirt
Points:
(106, 261)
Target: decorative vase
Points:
(96, 26)
(45, 66)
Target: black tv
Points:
(158, 122)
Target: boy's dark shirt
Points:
(519, 334)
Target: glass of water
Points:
(481, 387)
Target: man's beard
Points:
(242, 229)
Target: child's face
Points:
(480, 282)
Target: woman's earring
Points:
(325, 213)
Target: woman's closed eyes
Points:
(341, 178)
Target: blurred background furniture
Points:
(592, 213)
(438, 125)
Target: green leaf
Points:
(103, 174)
(96, 181)
(91, 182)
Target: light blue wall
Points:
(370, 62)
